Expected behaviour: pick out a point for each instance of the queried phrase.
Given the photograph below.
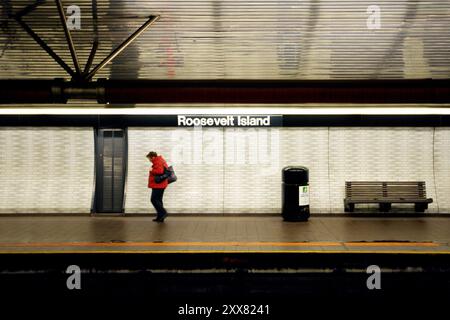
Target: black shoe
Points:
(161, 219)
(157, 220)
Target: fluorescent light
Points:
(230, 110)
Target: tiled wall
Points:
(221, 170)
(308, 147)
(199, 188)
(442, 168)
(46, 170)
(236, 170)
(389, 154)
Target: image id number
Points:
(245, 309)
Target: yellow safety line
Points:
(220, 244)
(166, 244)
(391, 244)
(224, 251)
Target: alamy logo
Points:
(233, 146)
(74, 18)
(374, 19)
(374, 281)
(74, 281)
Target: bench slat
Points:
(390, 201)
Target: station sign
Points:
(230, 121)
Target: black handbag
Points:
(171, 176)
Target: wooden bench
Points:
(385, 193)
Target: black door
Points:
(111, 170)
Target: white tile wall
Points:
(442, 168)
(227, 170)
(309, 147)
(46, 170)
(238, 170)
(221, 170)
(197, 157)
(252, 170)
(391, 154)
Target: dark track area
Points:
(225, 275)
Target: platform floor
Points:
(28, 234)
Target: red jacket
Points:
(157, 168)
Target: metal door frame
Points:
(98, 169)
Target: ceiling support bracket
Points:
(86, 75)
(73, 51)
(122, 47)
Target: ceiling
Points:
(236, 39)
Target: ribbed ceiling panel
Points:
(226, 39)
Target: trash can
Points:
(295, 193)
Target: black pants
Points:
(157, 201)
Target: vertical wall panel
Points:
(442, 168)
(46, 170)
(252, 170)
(238, 170)
(197, 157)
(255, 158)
(390, 154)
(309, 147)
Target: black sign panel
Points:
(123, 121)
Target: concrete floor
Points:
(216, 234)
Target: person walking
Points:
(158, 165)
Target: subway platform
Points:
(219, 234)
(226, 258)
